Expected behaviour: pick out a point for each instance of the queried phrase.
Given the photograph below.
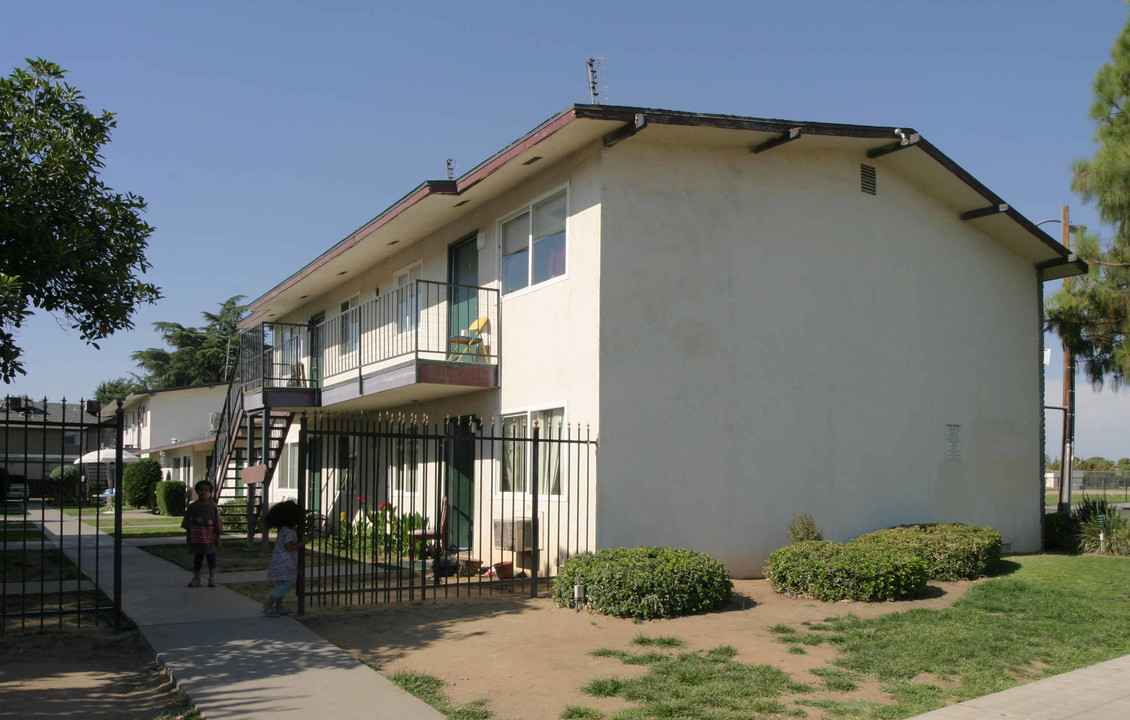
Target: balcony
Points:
(419, 341)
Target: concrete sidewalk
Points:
(1099, 692)
(229, 659)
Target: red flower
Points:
(360, 498)
(384, 505)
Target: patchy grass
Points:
(704, 684)
(1051, 614)
(22, 564)
(59, 611)
(234, 555)
(430, 689)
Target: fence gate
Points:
(400, 510)
(61, 531)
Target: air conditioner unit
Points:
(214, 421)
(514, 534)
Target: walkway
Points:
(229, 659)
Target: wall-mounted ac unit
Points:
(214, 421)
(514, 534)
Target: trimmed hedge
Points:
(172, 497)
(949, 551)
(644, 582)
(832, 571)
(1061, 533)
(233, 514)
(139, 480)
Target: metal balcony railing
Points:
(421, 320)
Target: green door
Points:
(461, 484)
(314, 473)
(316, 349)
(463, 274)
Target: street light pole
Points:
(1067, 448)
(1068, 395)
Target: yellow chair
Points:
(470, 343)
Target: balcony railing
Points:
(422, 320)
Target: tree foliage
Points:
(195, 356)
(1092, 314)
(69, 244)
(110, 390)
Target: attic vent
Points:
(867, 179)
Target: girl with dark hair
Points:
(202, 521)
(285, 517)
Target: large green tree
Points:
(1092, 314)
(110, 390)
(69, 244)
(195, 356)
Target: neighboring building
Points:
(758, 318)
(42, 436)
(176, 426)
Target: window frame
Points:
(529, 414)
(349, 326)
(407, 305)
(528, 209)
(401, 482)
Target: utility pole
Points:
(1068, 396)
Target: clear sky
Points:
(261, 133)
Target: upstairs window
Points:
(533, 244)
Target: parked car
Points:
(16, 492)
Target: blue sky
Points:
(260, 133)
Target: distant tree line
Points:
(1093, 463)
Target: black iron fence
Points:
(59, 469)
(399, 509)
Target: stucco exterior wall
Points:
(773, 340)
(183, 414)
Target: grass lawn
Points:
(234, 556)
(68, 610)
(1044, 615)
(32, 565)
(1051, 497)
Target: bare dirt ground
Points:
(83, 673)
(529, 658)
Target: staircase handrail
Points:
(222, 446)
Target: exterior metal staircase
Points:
(244, 439)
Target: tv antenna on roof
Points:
(596, 65)
(451, 168)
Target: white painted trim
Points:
(528, 207)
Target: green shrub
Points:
(139, 481)
(644, 582)
(949, 551)
(1088, 508)
(1116, 533)
(834, 571)
(66, 473)
(803, 528)
(65, 480)
(1061, 533)
(233, 514)
(171, 497)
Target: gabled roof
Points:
(436, 203)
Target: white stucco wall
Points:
(183, 414)
(773, 340)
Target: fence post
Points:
(119, 436)
(535, 556)
(303, 449)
